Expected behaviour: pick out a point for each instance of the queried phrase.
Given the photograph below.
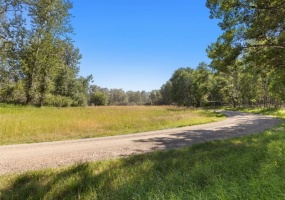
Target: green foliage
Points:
(98, 99)
(277, 84)
(200, 87)
(41, 61)
(193, 87)
(181, 86)
(57, 101)
(251, 27)
(166, 93)
(120, 97)
(117, 97)
(247, 67)
(242, 84)
(155, 97)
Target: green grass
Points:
(251, 167)
(29, 124)
(265, 111)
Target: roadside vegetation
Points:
(277, 112)
(29, 124)
(250, 167)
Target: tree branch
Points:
(278, 7)
(264, 45)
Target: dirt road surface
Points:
(24, 157)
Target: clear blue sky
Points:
(138, 44)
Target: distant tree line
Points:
(39, 64)
(104, 96)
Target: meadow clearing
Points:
(250, 167)
(29, 124)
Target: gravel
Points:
(25, 157)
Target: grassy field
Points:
(30, 124)
(251, 167)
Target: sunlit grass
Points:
(29, 124)
(278, 112)
(251, 167)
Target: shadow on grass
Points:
(208, 112)
(264, 111)
(270, 111)
(190, 137)
(251, 167)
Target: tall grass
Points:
(251, 167)
(29, 124)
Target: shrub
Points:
(58, 101)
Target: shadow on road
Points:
(240, 125)
(242, 164)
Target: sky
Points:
(138, 44)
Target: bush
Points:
(79, 100)
(58, 101)
(98, 99)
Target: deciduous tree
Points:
(250, 26)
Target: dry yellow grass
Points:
(28, 124)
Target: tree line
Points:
(247, 61)
(39, 65)
(251, 49)
(103, 96)
(204, 86)
(241, 85)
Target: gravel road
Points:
(24, 157)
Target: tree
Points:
(200, 84)
(98, 99)
(94, 88)
(144, 97)
(12, 34)
(277, 84)
(117, 97)
(50, 25)
(155, 97)
(181, 86)
(134, 97)
(39, 64)
(165, 91)
(231, 87)
(215, 85)
(67, 72)
(250, 27)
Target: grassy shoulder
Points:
(30, 124)
(250, 167)
(277, 112)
